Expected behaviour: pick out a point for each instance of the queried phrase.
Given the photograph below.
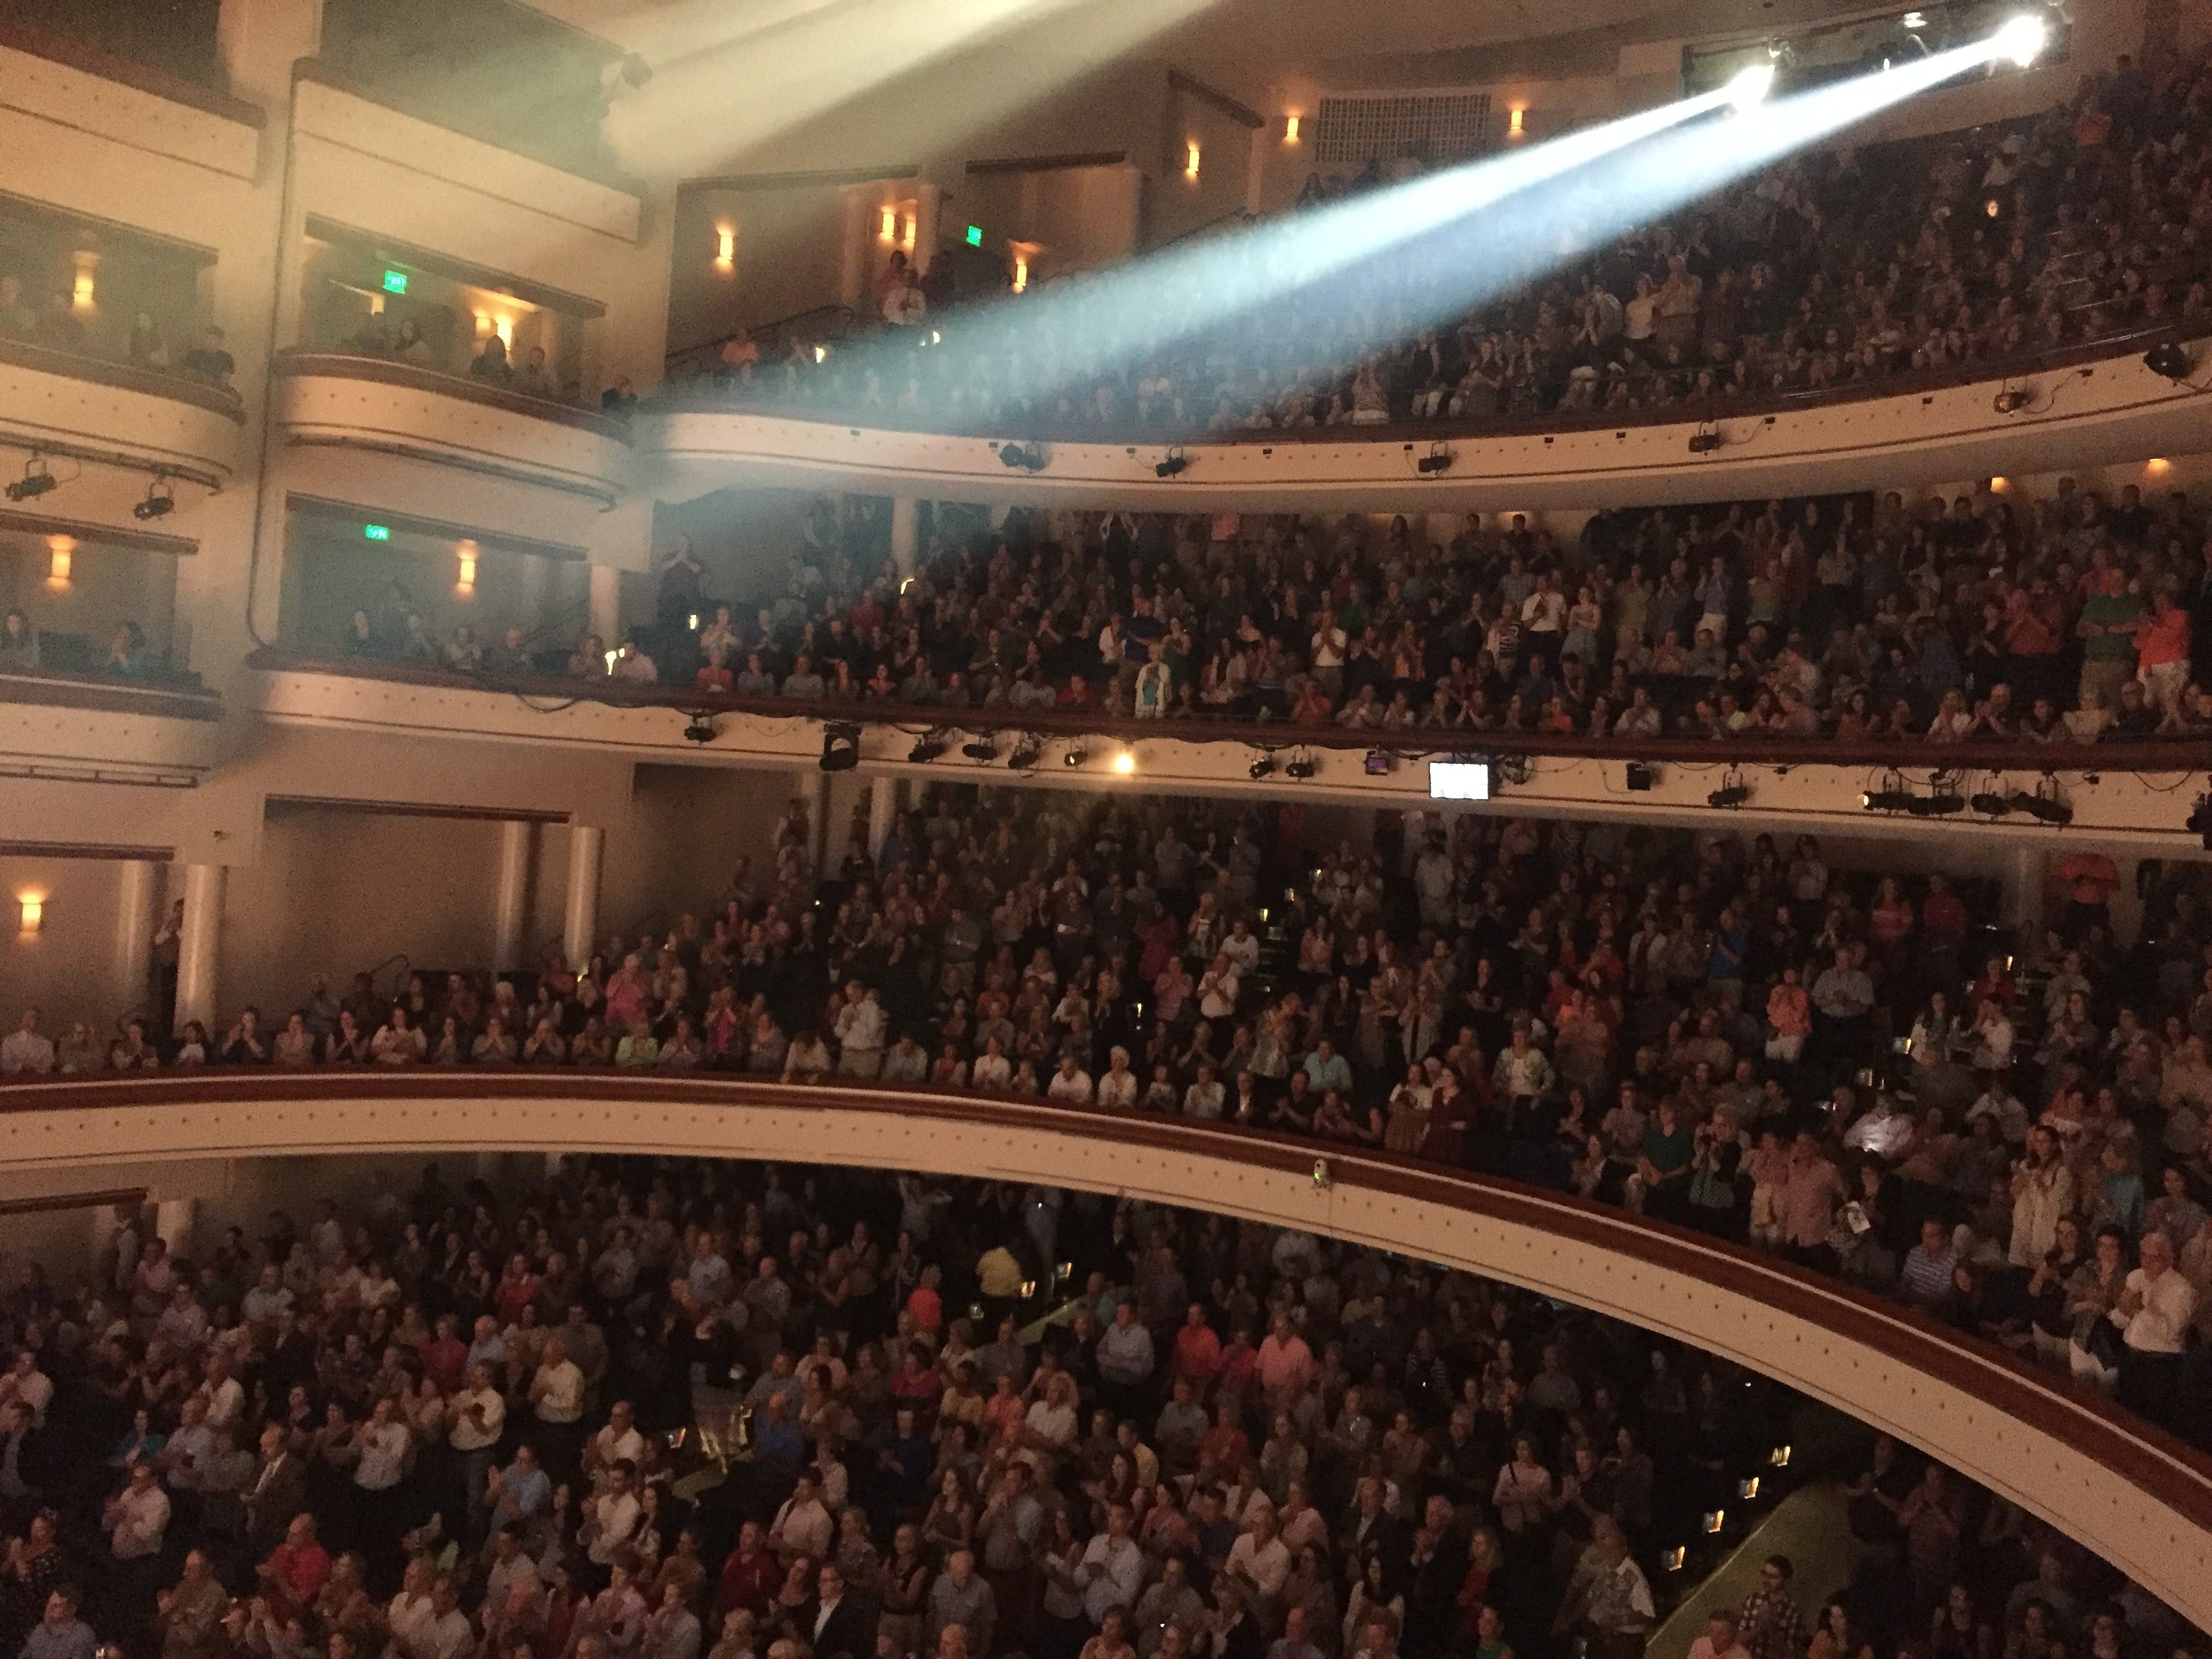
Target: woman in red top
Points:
(518, 1289)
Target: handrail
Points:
(685, 398)
(302, 362)
(1907, 754)
(708, 352)
(1735, 1300)
(124, 377)
(89, 691)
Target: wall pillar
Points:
(808, 785)
(882, 811)
(906, 533)
(852, 250)
(518, 858)
(198, 946)
(173, 1221)
(2026, 877)
(2126, 903)
(928, 204)
(606, 604)
(917, 793)
(134, 933)
(580, 917)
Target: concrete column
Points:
(173, 1221)
(808, 785)
(906, 533)
(2026, 877)
(853, 250)
(606, 604)
(518, 857)
(917, 795)
(199, 947)
(883, 809)
(928, 206)
(2126, 903)
(581, 918)
(134, 933)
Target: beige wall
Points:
(67, 969)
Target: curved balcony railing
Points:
(2123, 1488)
(167, 696)
(2176, 754)
(124, 377)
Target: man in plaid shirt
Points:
(1770, 1624)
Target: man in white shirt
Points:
(379, 1496)
(446, 1634)
(24, 1052)
(860, 1029)
(1118, 1088)
(803, 1526)
(557, 1397)
(1070, 1084)
(618, 1441)
(137, 1518)
(27, 1382)
(611, 1516)
(2156, 1306)
(475, 1417)
(1258, 1557)
(1112, 1570)
(1218, 987)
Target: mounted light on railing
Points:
(1125, 763)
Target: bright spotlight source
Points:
(1750, 86)
(2022, 40)
(1074, 757)
(1125, 763)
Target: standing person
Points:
(1772, 1624)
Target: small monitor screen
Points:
(1459, 779)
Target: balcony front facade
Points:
(2080, 407)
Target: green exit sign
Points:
(395, 282)
(974, 236)
(377, 533)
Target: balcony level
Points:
(2080, 407)
(2135, 1496)
(75, 406)
(2112, 794)
(380, 404)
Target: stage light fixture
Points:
(1890, 801)
(926, 747)
(1125, 763)
(701, 729)
(1438, 460)
(1991, 805)
(1261, 767)
(160, 500)
(1074, 757)
(2200, 820)
(1379, 762)
(1704, 443)
(2022, 40)
(37, 480)
(1029, 457)
(1750, 86)
(1175, 464)
(841, 746)
(2044, 809)
(2169, 358)
(1026, 751)
(1300, 770)
(2011, 403)
(1642, 775)
(1940, 803)
(984, 749)
(1734, 795)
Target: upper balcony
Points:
(2080, 406)
(2131, 1494)
(2112, 794)
(106, 357)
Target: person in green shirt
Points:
(2107, 630)
(1664, 1165)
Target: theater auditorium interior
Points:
(1105, 829)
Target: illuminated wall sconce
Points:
(1998, 486)
(466, 583)
(1778, 1458)
(1674, 1558)
(1289, 129)
(1190, 161)
(890, 231)
(912, 226)
(1747, 1488)
(726, 248)
(61, 552)
(1714, 1521)
(1021, 272)
(34, 913)
(2158, 465)
(1516, 124)
(490, 322)
(84, 291)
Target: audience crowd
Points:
(1985, 618)
(1857, 1072)
(654, 1409)
(53, 320)
(1831, 268)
